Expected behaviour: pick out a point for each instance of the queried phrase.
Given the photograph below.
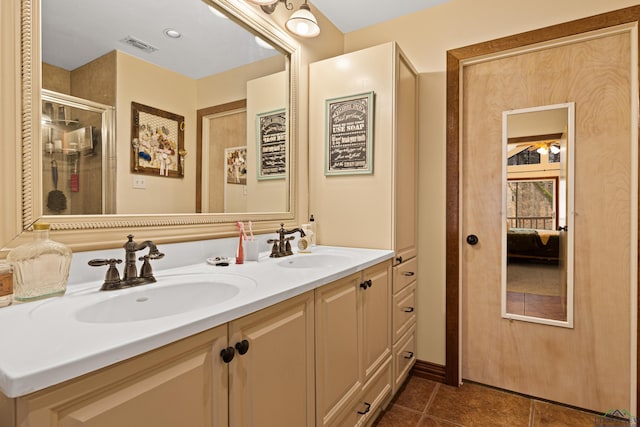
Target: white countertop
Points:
(42, 343)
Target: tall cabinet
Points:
(376, 208)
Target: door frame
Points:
(455, 60)
(201, 114)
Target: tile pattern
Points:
(424, 403)
(545, 306)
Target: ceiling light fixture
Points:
(301, 23)
(171, 33)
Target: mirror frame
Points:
(107, 230)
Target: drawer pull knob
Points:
(242, 347)
(408, 355)
(227, 354)
(366, 284)
(399, 259)
(368, 405)
(408, 273)
(409, 309)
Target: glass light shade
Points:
(303, 23)
(542, 150)
(263, 2)
(555, 149)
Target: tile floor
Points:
(424, 403)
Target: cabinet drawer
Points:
(404, 274)
(404, 357)
(373, 396)
(404, 311)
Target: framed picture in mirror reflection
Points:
(157, 139)
(271, 129)
(235, 165)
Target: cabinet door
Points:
(272, 383)
(177, 385)
(375, 300)
(406, 166)
(338, 347)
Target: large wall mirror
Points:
(178, 59)
(537, 238)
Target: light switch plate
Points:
(139, 182)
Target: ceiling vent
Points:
(139, 44)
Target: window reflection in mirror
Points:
(119, 52)
(537, 273)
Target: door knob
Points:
(472, 239)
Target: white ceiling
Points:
(351, 15)
(75, 32)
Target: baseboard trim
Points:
(429, 371)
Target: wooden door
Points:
(589, 365)
(272, 383)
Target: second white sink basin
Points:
(314, 261)
(169, 296)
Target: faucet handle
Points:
(146, 271)
(112, 277)
(275, 250)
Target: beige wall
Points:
(265, 94)
(425, 37)
(178, 96)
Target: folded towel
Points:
(545, 235)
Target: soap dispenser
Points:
(312, 229)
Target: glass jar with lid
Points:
(40, 267)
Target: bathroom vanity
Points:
(299, 340)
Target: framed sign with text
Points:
(271, 129)
(349, 135)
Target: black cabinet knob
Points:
(409, 309)
(472, 239)
(368, 407)
(408, 355)
(242, 347)
(366, 284)
(227, 354)
(399, 259)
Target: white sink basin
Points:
(314, 261)
(169, 296)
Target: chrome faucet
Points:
(281, 246)
(130, 276)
